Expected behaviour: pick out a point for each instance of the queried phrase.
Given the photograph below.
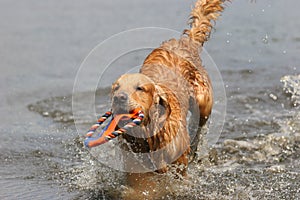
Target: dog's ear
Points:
(161, 105)
(160, 96)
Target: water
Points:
(255, 46)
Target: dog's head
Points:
(137, 91)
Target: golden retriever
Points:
(171, 83)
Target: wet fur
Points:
(171, 82)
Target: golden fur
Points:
(171, 82)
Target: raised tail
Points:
(201, 18)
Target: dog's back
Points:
(182, 57)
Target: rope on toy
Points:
(109, 131)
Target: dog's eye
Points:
(140, 88)
(115, 87)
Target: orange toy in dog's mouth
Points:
(109, 131)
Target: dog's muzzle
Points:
(120, 103)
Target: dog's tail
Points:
(201, 18)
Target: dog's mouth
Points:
(129, 112)
(120, 107)
(124, 108)
(119, 111)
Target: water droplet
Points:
(284, 51)
(45, 114)
(227, 41)
(265, 39)
(273, 96)
(295, 104)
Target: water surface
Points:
(255, 45)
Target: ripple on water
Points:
(263, 166)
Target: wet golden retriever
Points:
(171, 83)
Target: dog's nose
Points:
(120, 97)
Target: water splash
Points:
(291, 85)
(264, 166)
